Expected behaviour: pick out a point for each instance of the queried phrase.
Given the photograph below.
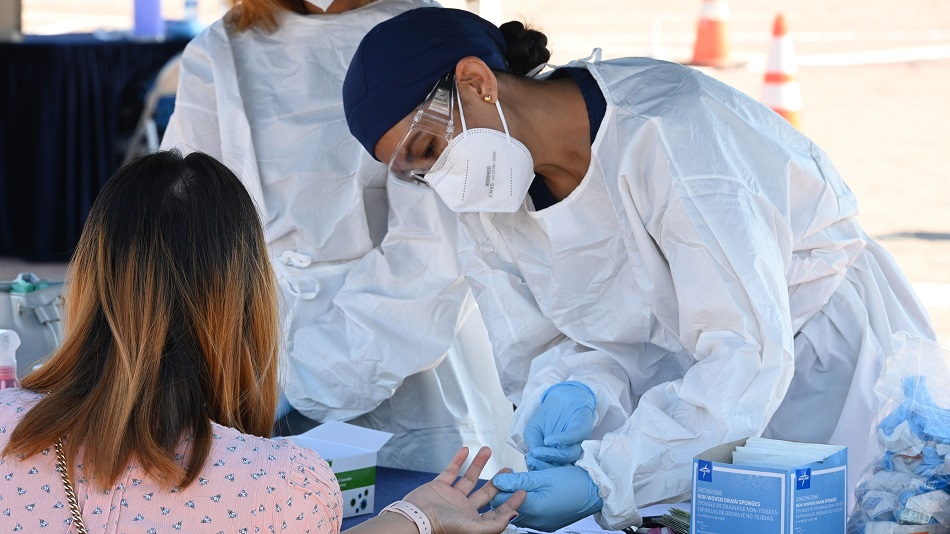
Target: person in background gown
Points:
(382, 330)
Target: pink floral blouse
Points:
(248, 485)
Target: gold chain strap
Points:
(70, 495)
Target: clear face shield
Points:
(433, 126)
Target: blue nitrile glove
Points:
(556, 497)
(930, 421)
(931, 463)
(562, 421)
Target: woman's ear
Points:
(474, 76)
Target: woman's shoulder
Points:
(232, 440)
(214, 37)
(276, 472)
(633, 81)
(295, 464)
(14, 402)
(649, 87)
(20, 395)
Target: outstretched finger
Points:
(498, 518)
(451, 472)
(500, 499)
(468, 481)
(485, 493)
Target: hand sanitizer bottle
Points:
(9, 341)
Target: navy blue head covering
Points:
(401, 59)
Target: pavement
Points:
(873, 77)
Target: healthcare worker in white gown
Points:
(382, 329)
(687, 269)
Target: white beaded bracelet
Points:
(411, 512)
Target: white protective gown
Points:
(372, 284)
(707, 279)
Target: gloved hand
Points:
(556, 497)
(562, 421)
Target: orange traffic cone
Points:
(712, 43)
(781, 91)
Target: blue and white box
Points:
(793, 488)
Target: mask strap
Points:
(535, 72)
(458, 97)
(504, 123)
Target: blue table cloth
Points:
(66, 101)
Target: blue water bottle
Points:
(149, 25)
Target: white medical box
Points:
(351, 452)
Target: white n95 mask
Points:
(482, 170)
(322, 4)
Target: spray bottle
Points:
(9, 341)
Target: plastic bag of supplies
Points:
(905, 489)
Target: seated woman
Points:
(155, 407)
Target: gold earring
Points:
(487, 98)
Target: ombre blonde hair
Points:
(246, 14)
(171, 323)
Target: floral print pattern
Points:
(248, 485)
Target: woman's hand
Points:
(453, 508)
